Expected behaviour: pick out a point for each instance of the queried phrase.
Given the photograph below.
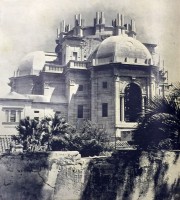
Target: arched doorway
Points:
(132, 102)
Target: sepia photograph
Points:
(89, 100)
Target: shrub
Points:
(56, 134)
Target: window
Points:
(80, 88)
(75, 56)
(104, 85)
(104, 110)
(36, 111)
(80, 111)
(125, 60)
(132, 102)
(12, 115)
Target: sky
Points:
(27, 26)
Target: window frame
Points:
(104, 84)
(80, 88)
(75, 55)
(12, 115)
(104, 109)
(80, 111)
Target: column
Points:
(18, 115)
(143, 105)
(7, 115)
(117, 99)
(122, 108)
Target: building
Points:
(101, 73)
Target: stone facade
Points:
(101, 73)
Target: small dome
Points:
(34, 62)
(122, 49)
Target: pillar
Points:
(117, 100)
(18, 115)
(143, 105)
(97, 17)
(122, 107)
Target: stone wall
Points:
(41, 176)
(133, 175)
(126, 175)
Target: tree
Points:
(61, 134)
(56, 134)
(91, 140)
(159, 128)
(48, 133)
(29, 135)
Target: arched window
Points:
(132, 102)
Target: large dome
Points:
(34, 62)
(122, 49)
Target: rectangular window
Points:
(75, 56)
(36, 111)
(80, 111)
(13, 116)
(104, 85)
(80, 88)
(104, 110)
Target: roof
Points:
(122, 49)
(5, 141)
(13, 95)
(48, 99)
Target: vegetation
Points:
(56, 134)
(159, 128)
(91, 140)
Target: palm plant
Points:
(29, 135)
(56, 134)
(159, 128)
(61, 134)
(49, 133)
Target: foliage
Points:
(174, 91)
(56, 134)
(159, 128)
(91, 140)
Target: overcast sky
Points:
(30, 25)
